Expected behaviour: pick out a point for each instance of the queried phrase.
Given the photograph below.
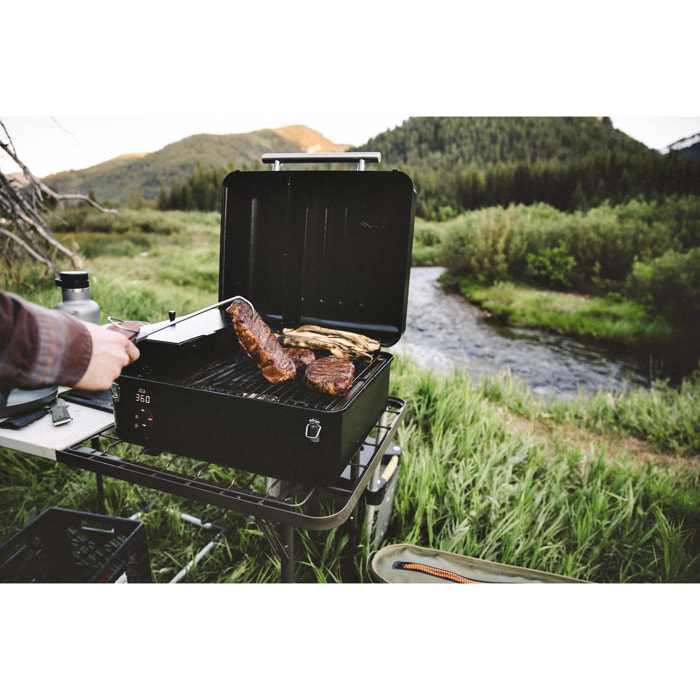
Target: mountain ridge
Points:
(132, 176)
(439, 147)
(688, 147)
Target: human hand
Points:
(111, 352)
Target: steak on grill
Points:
(302, 358)
(260, 343)
(330, 375)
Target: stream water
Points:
(443, 331)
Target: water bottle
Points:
(76, 296)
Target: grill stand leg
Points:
(287, 532)
(282, 546)
(355, 473)
(101, 506)
(352, 525)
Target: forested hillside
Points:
(457, 164)
(464, 163)
(482, 141)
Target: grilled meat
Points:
(330, 375)
(302, 358)
(260, 343)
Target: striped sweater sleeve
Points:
(40, 347)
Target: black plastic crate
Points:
(67, 546)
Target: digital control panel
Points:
(143, 417)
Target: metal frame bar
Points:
(285, 503)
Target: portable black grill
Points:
(325, 247)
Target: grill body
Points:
(206, 400)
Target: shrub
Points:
(670, 284)
(590, 251)
(65, 221)
(489, 244)
(551, 267)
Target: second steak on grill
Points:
(302, 358)
(330, 375)
(260, 343)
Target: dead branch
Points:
(23, 209)
(30, 251)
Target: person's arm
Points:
(43, 347)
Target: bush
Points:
(590, 251)
(68, 220)
(92, 245)
(427, 243)
(552, 267)
(488, 244)
(670, 284)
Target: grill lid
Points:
(324, 247)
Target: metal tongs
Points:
(136, 331)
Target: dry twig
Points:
(22, 213)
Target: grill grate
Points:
(238, 376)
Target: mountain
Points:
(456, 163)
(465, 163)
(142, 175)
(483, 141)
(688, 147)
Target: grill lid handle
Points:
(343, 157)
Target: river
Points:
(444, 331)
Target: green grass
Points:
(136, 274)
(624, 322)
(473, 484)
(604, 488)
(469, 483)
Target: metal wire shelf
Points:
(284, 502)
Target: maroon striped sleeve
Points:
(40, 347)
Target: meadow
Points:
(605, 488)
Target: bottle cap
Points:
(72, 279)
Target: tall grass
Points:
(487, 470)
(472, 484)
(666, 418)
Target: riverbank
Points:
(445, 332)
(614, 321)
(630, 273)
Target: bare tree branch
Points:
(28, 248)
(22, 213)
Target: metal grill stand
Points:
(268, 501)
